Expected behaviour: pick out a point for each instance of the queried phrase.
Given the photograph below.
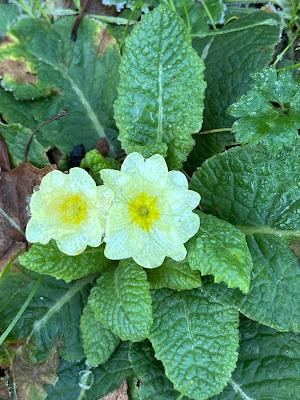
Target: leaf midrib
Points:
(267, 230)
(59, 304)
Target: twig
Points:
(35, 131)
(78, 20)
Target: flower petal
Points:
(177, 180)
(37, 232)
(80, 181)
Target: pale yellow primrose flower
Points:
(151, 216)
(69, 208)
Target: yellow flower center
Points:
(73, 209)
(143, 210)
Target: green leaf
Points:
(161, 90)
(9, 14)
(174, 275)
(78, 76)
(268, 365)
(221, 250)
(49, 260)
(231, 55)
(52, 318)
(101, 380)
(196, 338)
(98, 342)
(257, 190)
(153, 383)
(17, 137)
(121, 301)
(95, 162)
(270, 111)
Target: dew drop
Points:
(86, 379)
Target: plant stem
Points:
(215, 131)
(20, 313)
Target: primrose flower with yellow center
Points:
(70, 209)
(151, 217)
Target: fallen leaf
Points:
(119, 394)
(31, 378)
(4, 392)
(15, 188)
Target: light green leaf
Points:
(121, 301)
(98, 342)
(257, 190)
(270, 111)
(95, 162)
(153, 383)
(268, 365)
(221, 250)
(100, 381)
(161, 90)
(49, 260)
(174, 275)
(78, 76)
(17, 137)
(253, 38)
(52, 318)
(196, 338)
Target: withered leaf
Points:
(31, 378)
(118, 394)
(15, 188)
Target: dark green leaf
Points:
(257, 190)
(98, 382)
(16, 138)
(78, 76)
(153, 382)
(270, 111)
(51, 319)
(268, 365)
(98, 342)
(231, 55)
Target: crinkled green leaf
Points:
(98, 342)
(78, 76)
(174, 275)
(49, 260)
(196, 338)
(257, 189)
(153, 383)
(161, 90)
(270, 111)
(17, 137)
(95, 162)
(231, 55)
(99, 382)
(268, 365)
(51, 319)
(121, 301)
(221, 250)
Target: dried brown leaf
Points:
(119, 394)
(15, 188)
